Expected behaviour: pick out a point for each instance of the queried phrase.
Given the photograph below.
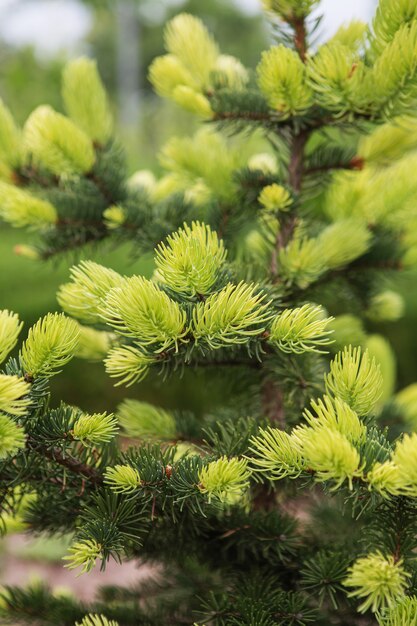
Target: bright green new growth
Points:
(83, 554)
(172, 80)
(390, 16)
(264, 162)
(376, 195)
(96, 620)
(343, 242)
(330, 455)
(379, 579)
(20, 208)
(58, 144)
(191, 259)
(386, 306)
(84, 296)
(10, 327)
(139, 309)
(299, 330)
(282, 79)
(335, 75)
(144, 420)
(192, 101)
(325, 447)
(402, 614)
(114, 217)
(192, 65)
(168, 73)
(13, 395)
(12, 437)
(193, 62)
(230, 72)
(93, 345)
(51, 343)
(187, 38)
(200, 166)
(290, 9)
(406, 401)
(301, 261)
(381, 350)
(355, 378)
(392, 79)
(129, 364)
(278, 454)
(95, 429)
(404, 458)
(275, 198)
(86, 100)
(389, 142)
(334, 414)
(11, 151)
(385, 479)
(225, 479)
(351, 35)
(231, 316)
(122, 478)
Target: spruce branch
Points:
(328, 201)
(71, 463)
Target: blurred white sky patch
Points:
(335, 11)
(59, 25)
(49, 25)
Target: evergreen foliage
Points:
(298, 504)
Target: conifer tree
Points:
(296, 502)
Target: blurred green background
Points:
(124, 37)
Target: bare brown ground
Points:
(15, 570)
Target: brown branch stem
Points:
(295, 177)
(272, 398)
(101, 188)
(69, 462)
(300, 37)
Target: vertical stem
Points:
(295, 178)
(296, 166)
(272, 400)
(300, 37)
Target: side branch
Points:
(354, 164)
(69, 462)
(249, 116)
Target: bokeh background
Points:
(37, 37)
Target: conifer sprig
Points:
(191, 260)
(51, 343)
(10, 328)
(57, 144)
(139, 309)
(378, 579)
